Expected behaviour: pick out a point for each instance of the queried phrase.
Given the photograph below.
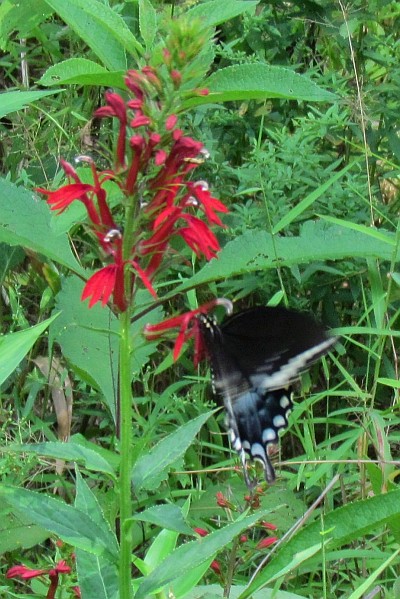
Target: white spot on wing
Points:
(279, 421)
(268, 435)
(257, 450)
(284, 402)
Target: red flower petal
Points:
(100, 285)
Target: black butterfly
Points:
(255, 355)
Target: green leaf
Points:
(344, 524)
(147, 22)
(67, 451)
(22, 17)
(18, 532)
(89, 339)
(218, 11)
(259, 82)
(167, 516)
(213, 591)
(70, 524)
(193, 554)
(15, 346)
(26, 221)
(81, 71)
(13, 101)
(257, 250)
(101, 28)
(153, 467)
(97, 574)
(306, 202)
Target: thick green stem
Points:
(125, 584)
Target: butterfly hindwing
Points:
(255, 355)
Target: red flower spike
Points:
(243, 539)
(264, 543)
(77, 592)
(203, 92)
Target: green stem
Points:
(125, 512)
(126, 417)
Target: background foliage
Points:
(302, 130)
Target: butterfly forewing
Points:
(255, 355)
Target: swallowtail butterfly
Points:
(255, 356)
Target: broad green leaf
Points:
(167, 516)
(101, 28)
(147, 22)
(22, 17)
(193, 554)
(13, 101)
(259, 82)
(67, 451)
(81, 71)
(25, 221)
(344, 524)
(18, 532)
(97, 574)
(15, 346)
(89, 339)
(153, 467)
(218, 11)
(257, 250)
(70, 524)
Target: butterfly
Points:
(255, 355)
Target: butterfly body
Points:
(255, 356)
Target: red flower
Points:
(268, 525)
(201, 531)
(188, 325)
(24, 572)
(216, 567)
(267, 542)
(222, 501)
(116, 107)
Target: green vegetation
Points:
(301, 127)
